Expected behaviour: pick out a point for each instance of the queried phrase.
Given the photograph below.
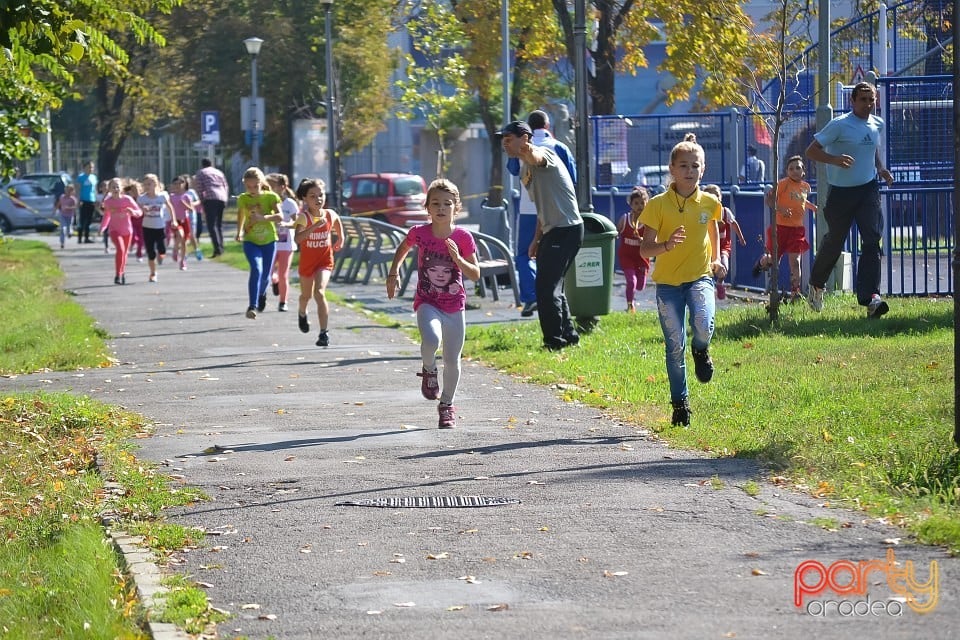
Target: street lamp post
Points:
(253, 48)
(583, 117)
(333, 191)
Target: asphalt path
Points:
(615, 534)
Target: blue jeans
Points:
(260, 257)
(672, 304)
(526, 267)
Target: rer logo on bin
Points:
(588, 267)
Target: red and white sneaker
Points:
(429, 386)
(448, 416)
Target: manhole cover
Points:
(437, 502)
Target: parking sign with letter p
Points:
(210, 127)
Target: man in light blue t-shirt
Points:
(850, 147)
(87, 184)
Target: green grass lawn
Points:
(59, 577)
(859, 413)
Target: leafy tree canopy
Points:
(44, 42)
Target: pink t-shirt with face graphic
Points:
(439, 279)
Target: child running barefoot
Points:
(280, 277)
(634, 265)
(446, 255)
(258, 211)
(319, 233)
(685, 240)
(791, 205)
(728, 223)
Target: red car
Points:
(396, 198)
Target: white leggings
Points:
(437, 327)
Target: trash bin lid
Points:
(595, 224)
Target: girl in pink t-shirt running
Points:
(118, 210)
(183, 208)
(66, 207)
(445, 255)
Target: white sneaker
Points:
(877, 307)
(815, 298)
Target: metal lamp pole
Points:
(253, 48)
(333, 191)
(583, 116)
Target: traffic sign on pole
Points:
(210, 127)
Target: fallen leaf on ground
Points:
(498, 607)
(404, 604)
(251, 605)
(438, 556)
(267, 616)
(457, 607)
(758, 572)
(289, 458)
(613, 574)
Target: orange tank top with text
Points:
(316, 250)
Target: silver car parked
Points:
(24, 204)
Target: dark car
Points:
(53, 183)
(25, 204)
(396, 198)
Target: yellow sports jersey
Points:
(689, 260)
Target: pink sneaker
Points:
(448, 415)
(429, 386)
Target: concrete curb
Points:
(143, 569)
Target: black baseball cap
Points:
(516, 128)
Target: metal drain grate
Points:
(435, 502)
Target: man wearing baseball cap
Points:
(539, 123)
(559, 232)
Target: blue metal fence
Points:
(918, 211)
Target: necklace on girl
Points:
(681, 205)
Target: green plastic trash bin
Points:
(589, 280)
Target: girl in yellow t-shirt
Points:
(683, 236)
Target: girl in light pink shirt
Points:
(118, 209)
(66, 207)
(183, 209)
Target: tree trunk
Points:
(601, 82)
(495, 191)
(112, 132)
